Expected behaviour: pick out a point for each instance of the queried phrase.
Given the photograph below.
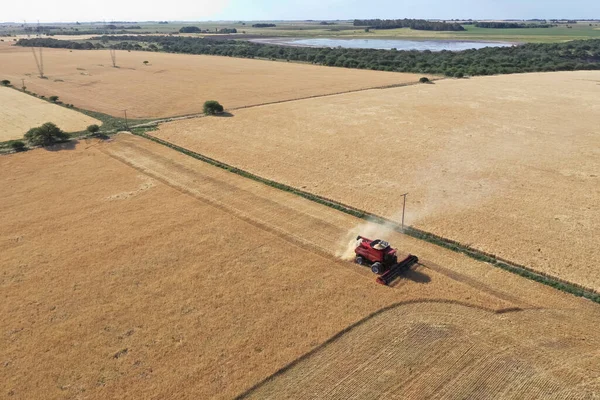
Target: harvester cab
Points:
(382, 259)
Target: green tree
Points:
(93, 128)
(189, 29)
(5, 82)
(212, 107)
(45, 135)
(18, 145)
(53, 99)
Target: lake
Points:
(384, 44)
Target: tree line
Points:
(510, 25)
(531, 57)
(264, 26)
(195, 29)
(417, 24)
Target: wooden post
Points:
(403, 208)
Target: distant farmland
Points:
(177, 84)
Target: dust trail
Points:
(371, 230)
(455, 178)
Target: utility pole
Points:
(23, 84)
(403, 208)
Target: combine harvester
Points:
(382, 259)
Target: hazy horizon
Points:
(272, 10)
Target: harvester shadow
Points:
(68, 145)
(411, 275)
(416, 276)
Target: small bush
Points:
(424, 80)
(93, 128)
(5, 82)
(459, 75)
(18, 145)
(146, 62)
(212, 107)
(53, 99)
(45, 135)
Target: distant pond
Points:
(384, 44)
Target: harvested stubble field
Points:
(177, 84)
(166, 277)
(507, 164)
(446, 351)
(20, 112)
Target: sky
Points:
(247, 10)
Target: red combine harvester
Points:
(382, 258)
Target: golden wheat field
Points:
(177, 84)
(20, 112)
(163, 277)
(507, 164)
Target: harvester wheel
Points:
(360, 260)
(376, 268)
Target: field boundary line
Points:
(450, 244)
(316, 96)
(358, 323)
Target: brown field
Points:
(164, 277)
(177, 84)
(20, 112)
(507, 164)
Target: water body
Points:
(385, 44)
